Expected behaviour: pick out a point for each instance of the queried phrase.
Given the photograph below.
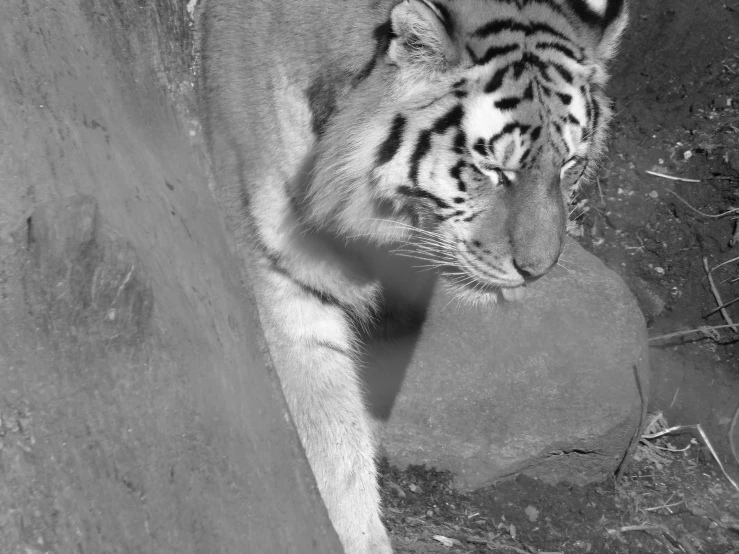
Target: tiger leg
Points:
(311, 344)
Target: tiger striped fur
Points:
(452, 130)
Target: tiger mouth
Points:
(514, 294)
(477, 281)
(475, 289)
(468, 274)
(487, 275)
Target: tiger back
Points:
(454, 131)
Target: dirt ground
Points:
(676, 89)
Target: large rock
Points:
(137, 413)
(545, 386)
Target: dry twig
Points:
(647, 527)
(673, 450)
(732, 428)
(696, 210)
(664, 506)
(687, 546)
(671, 178)
(717, 296)
(727, 261)
(699, 428)
(706, 330)
(509, 547)
(722, 306)
(626, 460)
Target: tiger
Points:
(343, 132)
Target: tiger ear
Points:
(421, 36)
(608, 19)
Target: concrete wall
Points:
(137, 412)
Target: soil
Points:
(676, 92)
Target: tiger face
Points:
(492, 113)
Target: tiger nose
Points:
(534, 267)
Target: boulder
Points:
(546, 386)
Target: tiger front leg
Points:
(312, 346)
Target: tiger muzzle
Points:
(523, 230)
(537, 238)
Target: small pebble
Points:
(654, 194)
(532, 513)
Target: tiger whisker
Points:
(423, 250)
(428, 267)
(426, 232)
(441, 263)
(570, 263)
(431, 243)
(427, 250)
(412, 249)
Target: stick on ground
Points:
(715, 216)
(732, 428)
(705, 330)
(672, 178)
(717, 296)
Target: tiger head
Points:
(468, 136)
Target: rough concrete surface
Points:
(545, 386)
(136, 410)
